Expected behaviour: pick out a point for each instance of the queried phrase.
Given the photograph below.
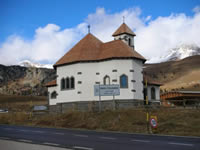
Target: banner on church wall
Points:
(106, 90)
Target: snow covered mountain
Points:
(179, 52)
(27, 63)
(182, 51)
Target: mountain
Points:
(175, 75)
(20, 80)
(27, 63)
(179, 52)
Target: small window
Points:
(97, 82)
(153, 93)
(106, 80)
(114, 80)
(79, 82)
(79, 73)
(131, 70)
(53, 95)
(123, 81)
(133, 90)
(72, 81)
(133, 81)
(62, 84)
(97, 73)
(115, 70)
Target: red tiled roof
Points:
(51, 83)
(92, 49)
(123, 29)
(150, 81)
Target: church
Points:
(92, 62)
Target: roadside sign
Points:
(153, 122)
(106, 90)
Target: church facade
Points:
(91, 62)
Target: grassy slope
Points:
(171, 121)
(177, 74)
(21, 103)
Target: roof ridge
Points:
(123, 29)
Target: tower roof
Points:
(91, 49)
(123, 29)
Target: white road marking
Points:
(38, 131)
(58, 133)
(145, 141)
(82, 148)
(80, 135)
(53, 144)
(23, 140)
(108, 138)
(4, 138)
(184, 144)
(8, 128)
(25, 130)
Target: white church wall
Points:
(51, 90)
(138, 77)
(88, 74)
(127, 36)
(157, 91)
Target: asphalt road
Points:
(91, 140)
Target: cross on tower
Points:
(88, 28)
(123, 19)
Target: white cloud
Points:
(154, 37)
(48, 44)
(196, 9)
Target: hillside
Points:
(19, 80)
(183, 74)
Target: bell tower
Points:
(125, 34)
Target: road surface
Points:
(92, 140)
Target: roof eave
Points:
(100, 60)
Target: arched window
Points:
(153, 93)
(106, 80)
(72, 83)
(129, 42)
(53, 95)
(123, 81)
(67, 83)
(62, 83)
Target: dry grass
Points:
(171, 121)
(21, 103)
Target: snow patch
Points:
(27, 63)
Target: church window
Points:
(53, 95)
(67, 83)
(72, 83)
(106, 80)
(129, 42)
(123, 81)
(153, 93)
(62, 84)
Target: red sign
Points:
(153, 122)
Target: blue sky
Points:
(24, 16)
(20, 19)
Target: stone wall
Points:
(96, 105)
